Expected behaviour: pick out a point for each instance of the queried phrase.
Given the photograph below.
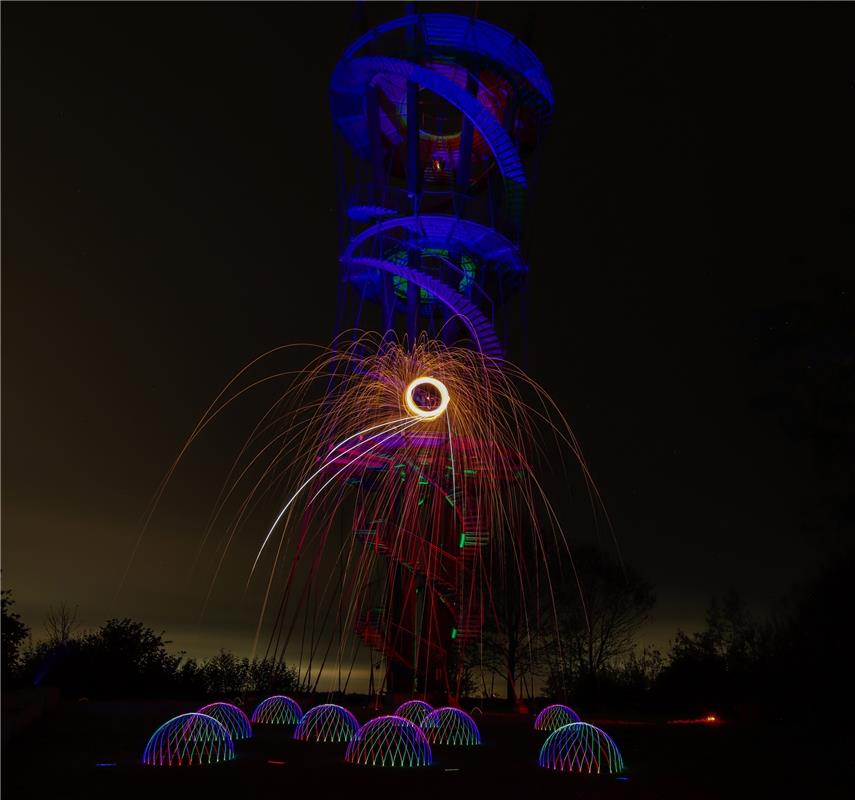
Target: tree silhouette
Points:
(122, 658)
(714, 668)
(597, 626)
(509, 648)
(14, 632)
(61, 624)
(553, 629)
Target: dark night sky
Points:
(169, 213)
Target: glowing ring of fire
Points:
(414, 409)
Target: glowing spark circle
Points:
(426, 398)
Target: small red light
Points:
(277, 763)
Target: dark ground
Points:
(57, 757)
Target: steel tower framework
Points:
(436, 115)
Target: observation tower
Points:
(437, 120)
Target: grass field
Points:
(57, 757)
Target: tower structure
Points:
(436, 116)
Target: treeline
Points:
(737, 666)
(124, 658)
(795, 664)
